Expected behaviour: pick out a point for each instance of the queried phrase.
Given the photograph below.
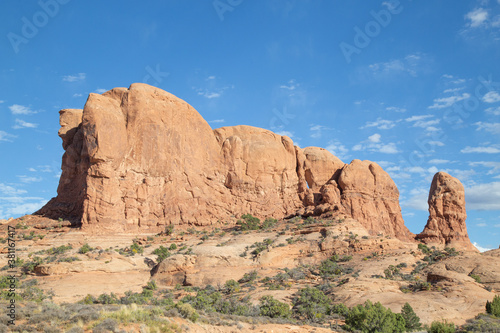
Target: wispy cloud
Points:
(338, 149)
(317, 130)
(17, 109)
(485, 149)
(382, 124)
(407, 65)
(10, 191)
(494, 166)
(291, 85)
(488, 127)
(491, 97)
(375, 144)
(77, 95)
(439, 161)
(74, 78)
(424, 121)
(493, 110)
(395, 109)
(483, 196)
(28, 179)
(4, 136)
(476, 17)
(23, 124)
(216, 121)
(100, 91)
(440, 103)
(479, 247)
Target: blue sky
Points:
(414, 86)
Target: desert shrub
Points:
(340, 309)
(172, 247)
(329, 269)
(187, 311)
(311, 304)
(231, 287)
(249, 277)
(493, 307)
(58, 250)
(424, 248)
(261, 246)
(412, 321)
(296, 273)
(249, 222)
(476, 277)
(268, 223)
(273, 308)
(85, 248)
(373, 318)
(162, 253)
(108, 324)
(107, 299)
(441, 327)
(482, 323)
(136, 248)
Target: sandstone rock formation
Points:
(446, 223)
(141, 158)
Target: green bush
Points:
(231, 287)
(311, 304)
(340, 309)
(85, 248)
(187, 311)
(268, 223)
(249, 277)
(107, 299)
(58, 250)
(370, 318)
(162, 253)
(249, 223)
(412, 321)
(441, 327)
(329, 269)
(424, 248)
(493, 307)
(172, 247)
(136, 248)
(482, 323)
(273, 308)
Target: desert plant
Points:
(249, 277)
(249, 222)
(371, 317)
(412, 321)
(493, 307)
(273, 308)
(311, 304)
(231, 287)
(441, 327)
(85, 248)
(162, 253)
(187, 311)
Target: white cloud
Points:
(292, 85)
(100, 91)
(211, 77)
(9, 190)
(380, 123)
(395, 109)
(494, 110)
(4, 136)
(480, 248)
(20, 109)
(491, 97)
(317, 130)
(407, 65)
(486, 150)
(23, 124)
(453, 90)
(477, 17)
(439, 161)
(74, 78)
(424, 122)
(21, 209)
(483, 196)
(436, 143)
(494, 166)
(77, 95)
(338, 149)
(216, 121)
(419, 118)
(209, 94)
(418, 200)
(374, 138)
(28, 179)
(440, 103)
(488, 127)
(285, 133)
(481, 225)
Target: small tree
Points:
(493, 307)
(412, 321)
(371, 317)
(231, 287)
(273, 308)
(312, 304)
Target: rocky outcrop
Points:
(141, 158)
(446, 223)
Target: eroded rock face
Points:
(141, 158)
(446, 223)
(369, 195)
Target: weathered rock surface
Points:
(446, 223)
(141, 158)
